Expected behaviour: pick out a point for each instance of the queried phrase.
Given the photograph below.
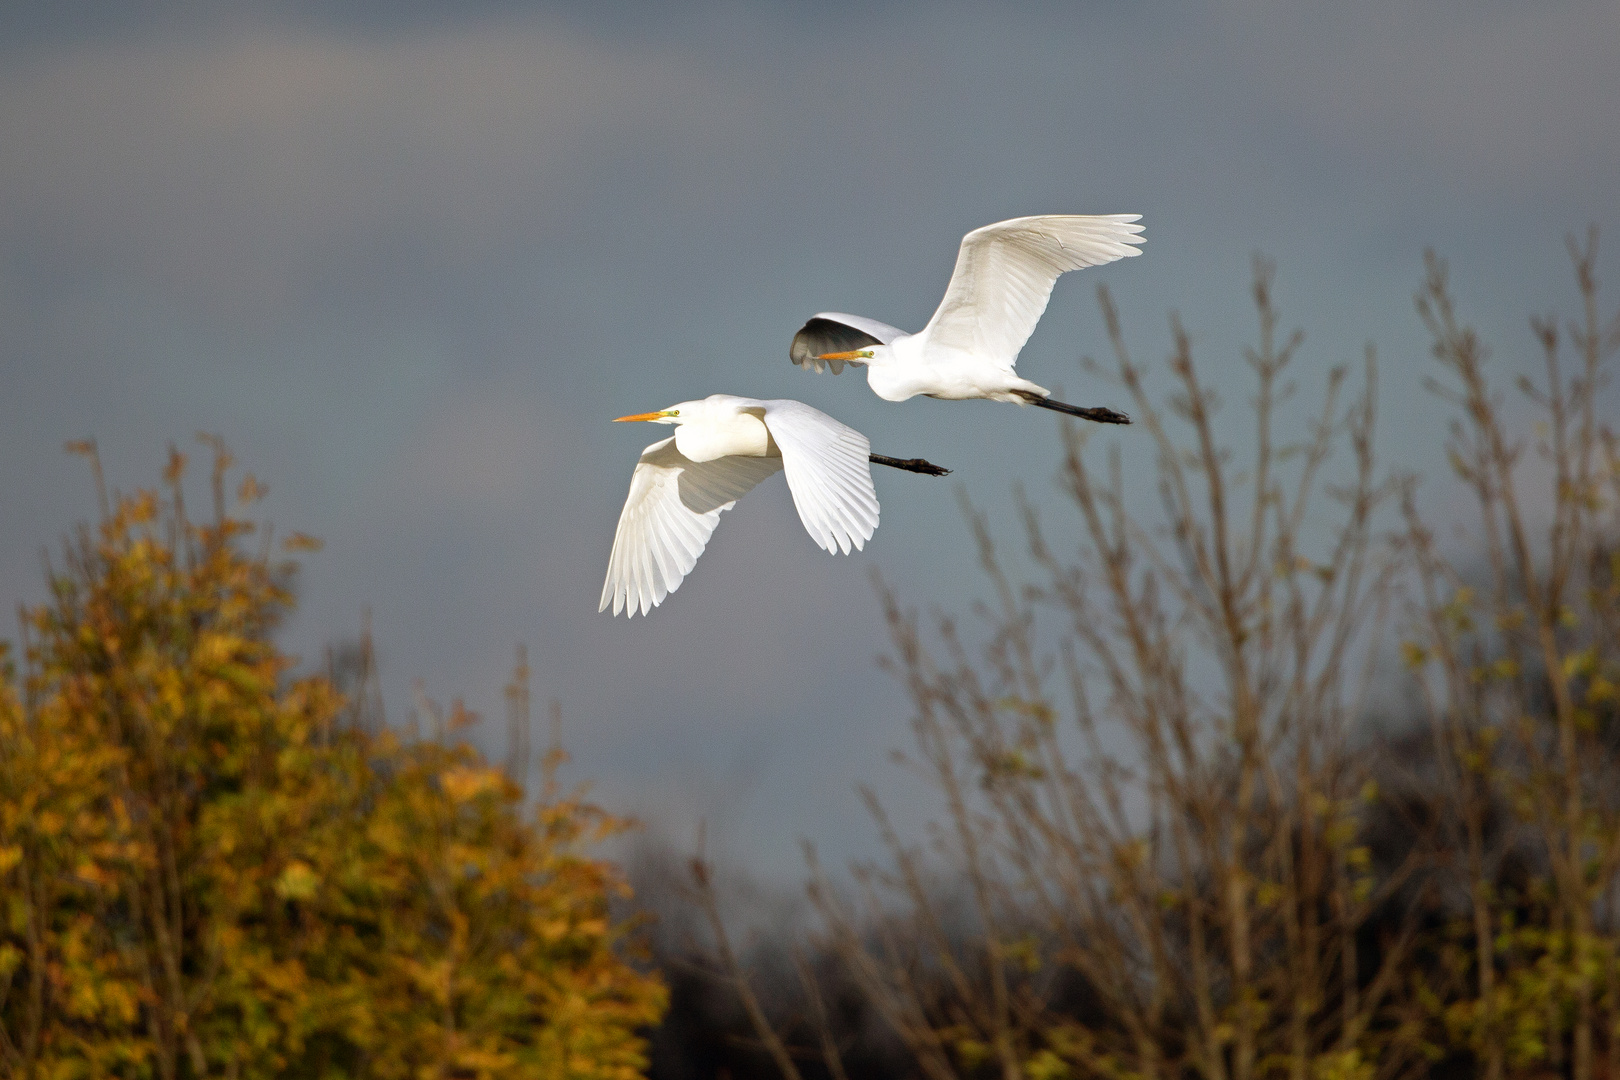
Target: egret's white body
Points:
(722, 447)
(1003, 279)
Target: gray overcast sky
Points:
(409, 260)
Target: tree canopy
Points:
(209, 866)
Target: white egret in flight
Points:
(722, 447)
(1003, 279)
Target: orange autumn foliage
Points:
(205, 869)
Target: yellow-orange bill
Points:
(638, 416)
(854, 354)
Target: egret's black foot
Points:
(916, 465)
(1099, 414)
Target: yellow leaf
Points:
(297, 882)
(251, 490)
(464, 784)
(1580, 663)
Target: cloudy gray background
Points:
(410, 259)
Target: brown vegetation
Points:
(1173, 842)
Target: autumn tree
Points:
(208, 868)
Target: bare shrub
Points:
(1150, 793)
(1515, 647)
(1175, 840)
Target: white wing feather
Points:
(829, 471)
(1005, 272)
(673, 508)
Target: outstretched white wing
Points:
(829, 471)
(835, 332)
(1005, 272)
(673, 507)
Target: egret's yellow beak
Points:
(857, 354)
(646, 416)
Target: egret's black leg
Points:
(1099, 414)
(916, 465)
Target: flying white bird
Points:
(722, 447)
(1003, 279)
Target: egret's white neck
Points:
(896, 371)
(725, 434)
